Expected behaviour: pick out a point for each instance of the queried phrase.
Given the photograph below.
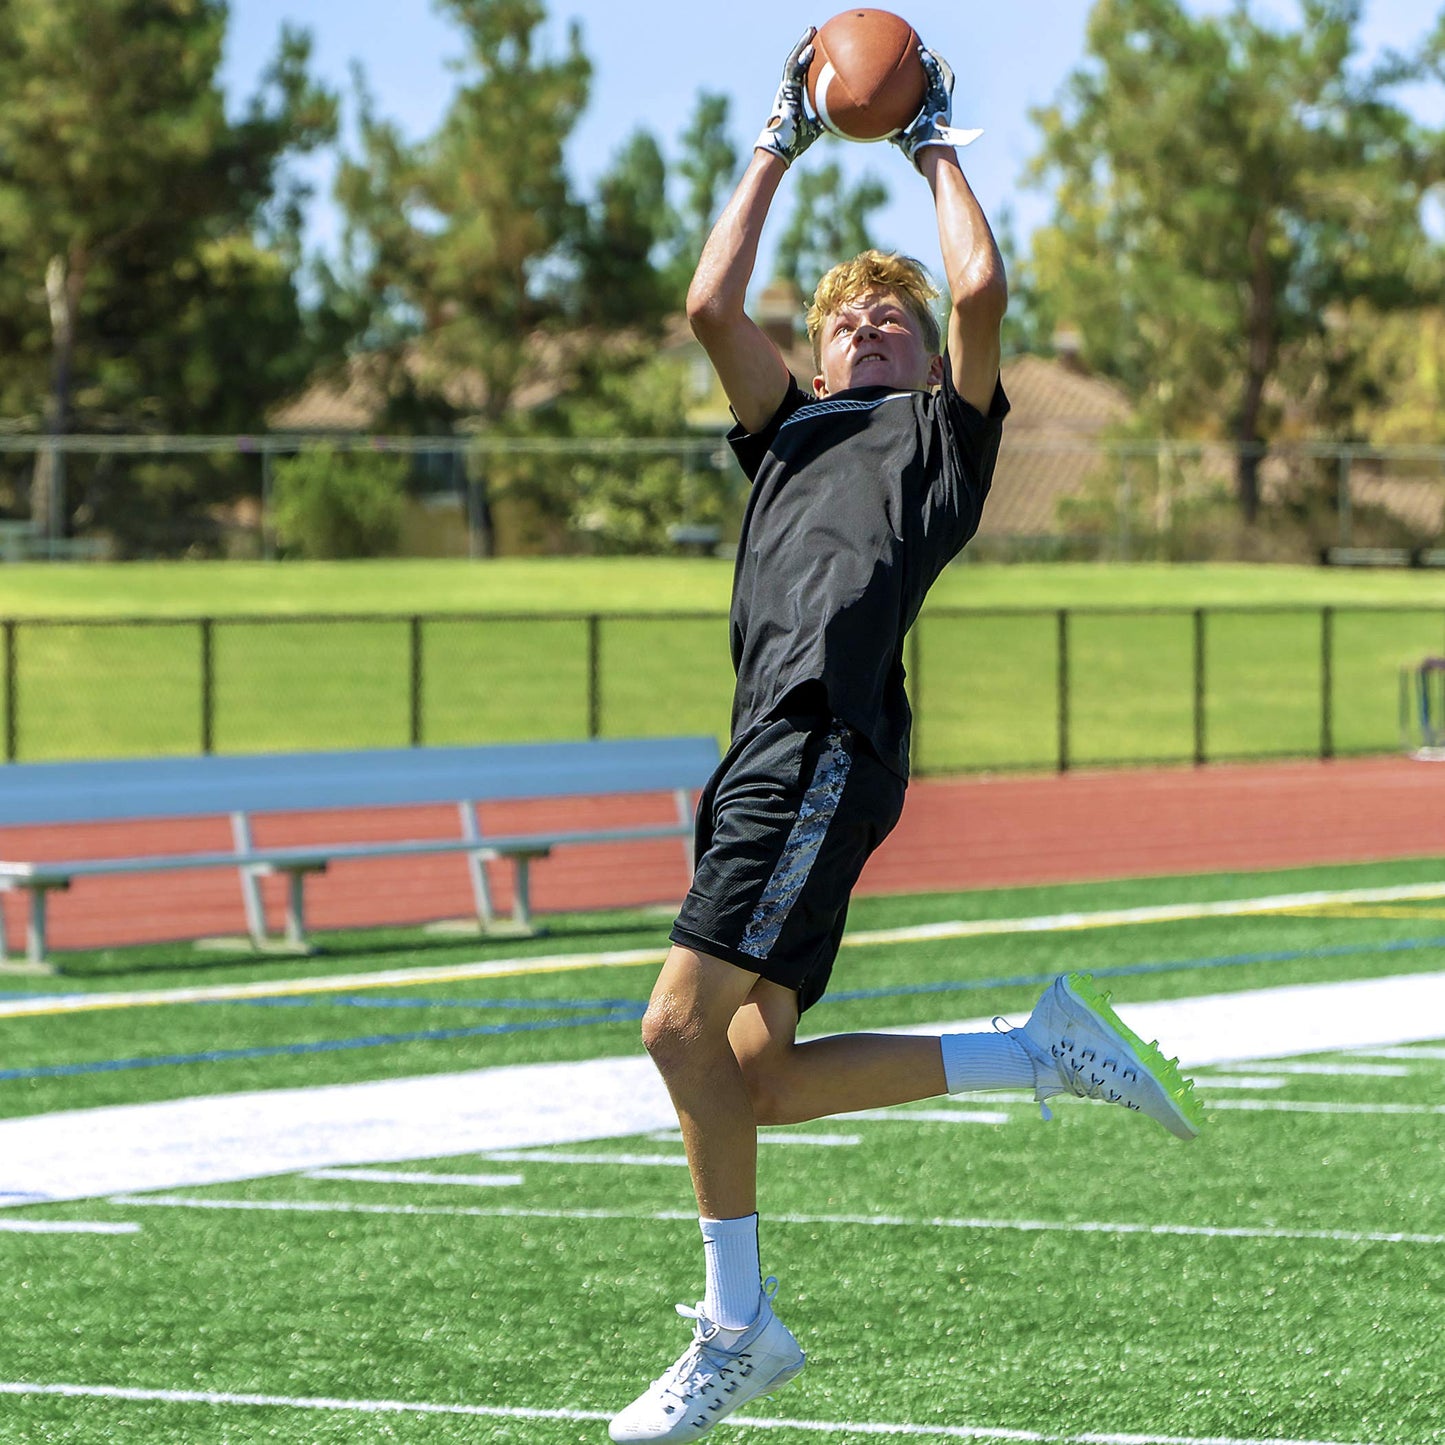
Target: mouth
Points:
(869, 356)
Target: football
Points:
(865, 81)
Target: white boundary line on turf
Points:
(63, 1226)
(882, 1221)
(513, 1412)
(45, 1004)
(216, 1139)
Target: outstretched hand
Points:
(790, 129)
(933, 125)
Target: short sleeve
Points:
(976, 432)
(751, 447)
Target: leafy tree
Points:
(330, 505)
(148, 242)
(620, 282)
(828, 223)
(1223, 190)
(453, 237)
(707, 166)
(1391, 391)
(586, 480)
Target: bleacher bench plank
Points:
(243, 786)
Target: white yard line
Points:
(570, 1156)
(404, 1176)
(213, 1139)
(1341, 1071)
(508, 1412)
(866, 1221)
(930, 1116)
(627, 958)
(64, 1226)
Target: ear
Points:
(935, 371)
(820, 387)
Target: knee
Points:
(670, 1035)
(768, 1091)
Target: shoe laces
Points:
(708, 1365)
(1084, 1074)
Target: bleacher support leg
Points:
(35, 930)
(521, 893)
(296, 909)
(476, 866)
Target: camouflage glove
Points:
(932, 126)
(790, 129)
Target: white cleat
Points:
(1079, 1045)
(719, 1372)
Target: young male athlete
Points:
(862, 493)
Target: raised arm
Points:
(977, 285)
(752, 371)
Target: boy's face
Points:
(874, 340)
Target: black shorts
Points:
(784, 827)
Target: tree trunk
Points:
(1259, 363)
(63, 282)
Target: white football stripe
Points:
(515, 1412)
(213, 1139)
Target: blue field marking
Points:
(385, 1001)
(1134, 970)
(630, 1014)
(581, 1013)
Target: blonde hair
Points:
(875, 271)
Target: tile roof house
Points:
(1051, 445)
(1059, 414)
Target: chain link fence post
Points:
(1201, 755)
(1062, 632)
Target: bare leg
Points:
(725, 1043)
(790, 1082)
(685, 1030)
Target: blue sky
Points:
(652, 57)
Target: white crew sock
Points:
(734, 1274)
(975, 1062)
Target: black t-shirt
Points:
(858, 503)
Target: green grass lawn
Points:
(216, 589)
(1274, 1280)
(321, 655)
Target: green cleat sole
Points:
(1178, 1088)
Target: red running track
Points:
(955, 834)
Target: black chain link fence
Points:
(991, 690)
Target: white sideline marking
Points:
(513, 1412)
(63, 1226)
(397, 1176)
(931, 1116)
(766, 1136)
(215, 1139)
(1285, 1106)
(1432, 1055)
(627, 958)
(1209, 1082)
(626, 1161)
(1371, 1071)
(877, 1221)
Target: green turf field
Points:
(622, 584)
(980, 1276)
(507, 652)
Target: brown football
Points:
(865, 80)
